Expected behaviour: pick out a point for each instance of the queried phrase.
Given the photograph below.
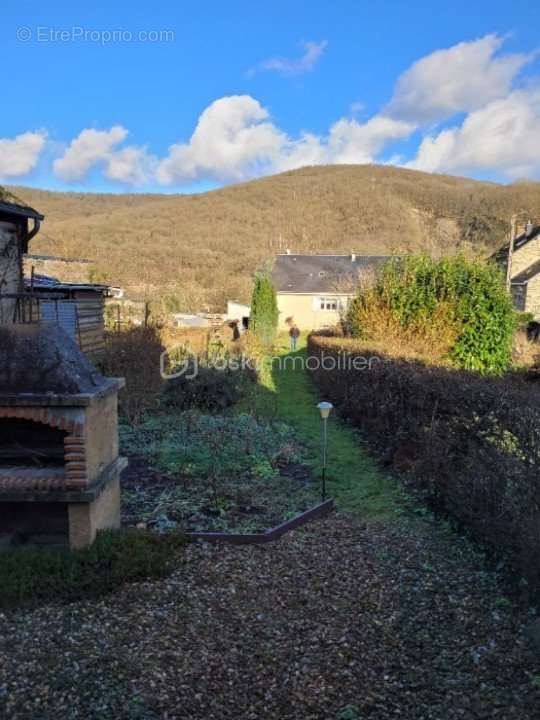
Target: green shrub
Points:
(207, 388)
(32, 575)
(264, 311)
(459, 306)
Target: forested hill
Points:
(199, 250)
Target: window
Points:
(519, 295)
(328, 304)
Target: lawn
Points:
(286, 392)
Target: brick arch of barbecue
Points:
(74, 447)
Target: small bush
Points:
(457, 309)
(207, 388)
(134, 354)
(33, 575)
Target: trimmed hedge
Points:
(470, 444)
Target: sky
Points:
(185, 97)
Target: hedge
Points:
(470, 444)
(460, 307)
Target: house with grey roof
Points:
(314, 291)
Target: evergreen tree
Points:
(264, 312)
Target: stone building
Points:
(18, 225)
(525, 269)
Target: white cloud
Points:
(286, 66)
(19, 155)
(235, 137)
(235, 140)
(353, 142)
(348, 142)
(131, 165)
(462, 78)
(88, 148)
(503, 136)
(93, 147)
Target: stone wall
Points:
(65, 269)
(10, 270)
(532, 303)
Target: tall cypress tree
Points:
(263, 321)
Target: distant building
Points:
(116, 292)
(238, 312)
(314, 291)
(185, 320)
(525, 269)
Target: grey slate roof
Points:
(501, 255)
(321, 273)
(524, 276)
(11, 205)
(523, 239)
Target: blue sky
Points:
(222, 92)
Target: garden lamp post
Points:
(324, 409)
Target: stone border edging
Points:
(321, 510)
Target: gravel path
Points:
(336, 620)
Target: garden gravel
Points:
(336, 620)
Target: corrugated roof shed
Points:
(45, 282)
(77, 307)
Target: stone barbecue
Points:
(59, 461)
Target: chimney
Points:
(353, 257)
(529, 227)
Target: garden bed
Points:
(214, 473)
